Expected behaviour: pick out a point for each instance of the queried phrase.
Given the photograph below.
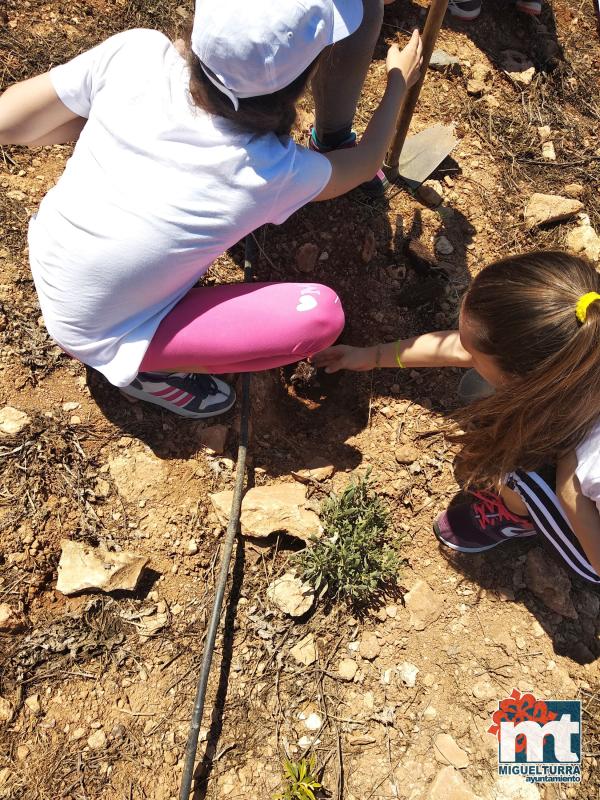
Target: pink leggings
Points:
(245, 327)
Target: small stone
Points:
(545, 133)
(585, 241)
(324, 256)
(33, 704)
(6, 710)
(444, 246)
(479, 80)
(291, 595)
(517, 66)
(77, 734)
(548, 151)
(305, 652)
(423, 604)
(320, 470)
(483, 690)
(313, 722)
(71, 406)
(543, 209)
(408, 674)
(369, 647)
(550, 583)
(11, 621)
(214, 438)
(536, 629)
(23, 752)
(97, 740)
(406, 454)
(191, 547)
(347, 669)
(75, 420)
(430, 713)
(447, 751)
(102, 488)
(83, 567)
(306, 257)
(13, 421)
(442, 62)
(272, 509)
(574, 190)
(450, 785)
(514, 787)
(430, 193)
(361, 740)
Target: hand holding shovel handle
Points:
(435, 17)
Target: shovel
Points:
(415, 158)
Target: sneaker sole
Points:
(181, 412)
(466, 16)
(462, 549)
(531, 11)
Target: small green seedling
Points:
(300, 779)
(354, 559)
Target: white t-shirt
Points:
(155, 190)
(588, 465)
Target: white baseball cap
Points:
(256, 47)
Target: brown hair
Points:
(521, 311)
(269, 113)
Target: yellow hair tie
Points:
(583, 304)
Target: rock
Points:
(446, 751)
(11, 621)
(291, 595)
(320, 470)
(407, 673)
(83, 567)
(214, 438)
(305, 652)
(430, 193)
(6, 710)
(550, 583)
(543, 209)
(347, 669)
(306, 257)
(369, 647)
(430, 713)
(514, 787)
(369, 246)
(484, 690)
(423, 604)
(450, 785)
(584, 240)
(548, 151)
(545, 133)
(191, 547)
(444, 246)
(139, 474)
(444, 62)
(97, 740)
(33, 704)
(71, 405)
(574, 190)
(479, 80)
(517, 66)
(270, 509)
(13, 421)
(77, 734)
(419, 256)
(313, 722)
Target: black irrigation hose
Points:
(234, 518)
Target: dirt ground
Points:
(97, 710)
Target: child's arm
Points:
(581, 512)
(31, 114)
(354, 166)
(440, 349)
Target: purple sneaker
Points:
(376, 187)
(483, 523)
(193, 394)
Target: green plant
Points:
(354, 558)
(300, 779)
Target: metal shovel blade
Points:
(425, 151)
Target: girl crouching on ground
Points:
(530, 325)
(181, 152)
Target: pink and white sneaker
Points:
(193, 395)
(483, 523)
(531, 7)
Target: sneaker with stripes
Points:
(465, 9)
(483, 523)
(376, 187)
(192, 395)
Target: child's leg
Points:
(245, 327)
(337, 84)
(544, 509)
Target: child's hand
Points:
(342, 356)
(408, 61)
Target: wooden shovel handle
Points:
(435, 17)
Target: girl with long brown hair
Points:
(530, 452)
